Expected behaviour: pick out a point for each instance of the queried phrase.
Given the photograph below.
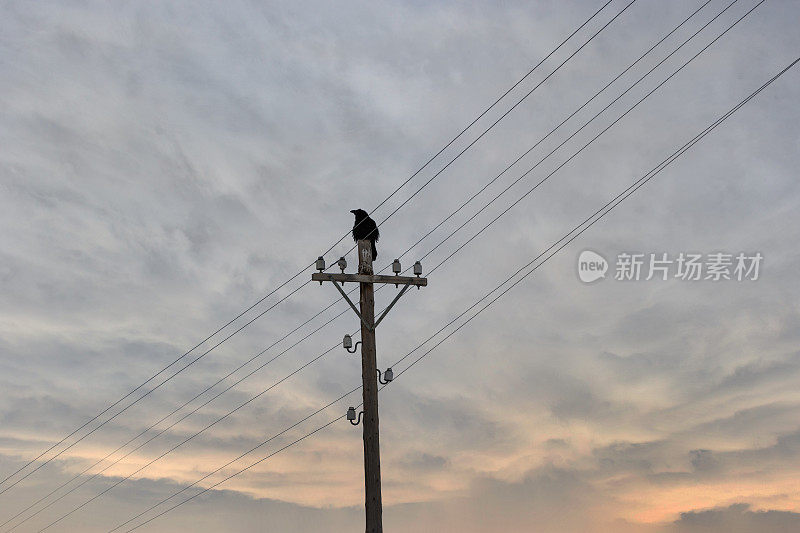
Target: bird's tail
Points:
(374, 251)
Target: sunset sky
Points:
(165, 165)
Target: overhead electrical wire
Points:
(300, 272)
(599, 214)
(161, 432)
(637, 103)
(594, 117)
(565, 240)
(580, 150)
(192, 362)
(175, 447)
(284, 352)
(243, 455)
(529, 150)
(241, 366)
(553, 130)
(481, 115)
(104, 411)
(593, 139)
(191, 437)
(497, 121)
(137, 400)
(504, 115)
(437, 245)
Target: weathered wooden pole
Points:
(369, 369)
(369, 376)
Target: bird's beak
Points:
(353, 211)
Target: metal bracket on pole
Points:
(353, 307)
(402, 291)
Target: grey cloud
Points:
(457, 422)
(163, 166)
(703, 461)
(639, 458)
(737, 518)
(423, 461)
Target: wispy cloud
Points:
(165, 165)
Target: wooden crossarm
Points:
(364, 278)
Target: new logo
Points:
(591, 266)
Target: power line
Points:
(476, 119)
(602, 212)
(593, 139)
(526, 173)
(504, 115)
(572, 55)
(184, 417)
(590, 142)
(104, 411)
(284, 337)
(296, 441)
(219, 419)
(590, 221)
(137, 400)
(186, 440)
(507, 168)
(648, 176)
(251, 450)
(529, 150)
(530, 92)
(301, 271)
(523, 175)
(175, 447)
(615, 121)
(509, 111)
(176, 422)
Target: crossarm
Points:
(365, 278)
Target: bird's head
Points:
(359, 213)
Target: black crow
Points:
(365, 228)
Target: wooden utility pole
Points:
(369, 377)
(369, 368)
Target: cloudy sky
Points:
(164, 165)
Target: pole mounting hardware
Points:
(347, 343)
(351, 416)
(387, 376)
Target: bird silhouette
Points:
(365, 228)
